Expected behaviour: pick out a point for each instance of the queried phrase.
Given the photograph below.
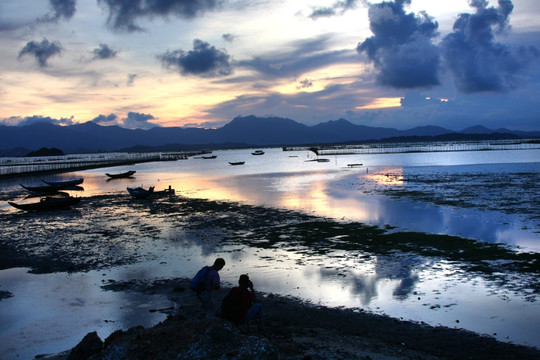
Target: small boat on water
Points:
(237, 162)
(209, 157)
(121, 175)
(47, 203)
(258, 152)
(66, 183)
(318, 160)
(140, 192)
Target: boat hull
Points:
(48, 203)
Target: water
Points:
(469, 194)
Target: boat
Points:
(67, 183)
(209, 157)
(43, 189)
(140, 192)
(237, 162)
(318, 160)
(168, 191)
(47, 203)
(258, 152)
(121, 175)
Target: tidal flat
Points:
(410, 265)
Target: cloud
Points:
(203, 61)
(401, 48)
(136, 120)
(35, 119)
(110, 119)
(41, 51)
(104, 52)
(303, 84)
(228, 37)
(307, 55)
(123, 14)
(131, 79)
(477, 62)
(61, 9)
(338, 8)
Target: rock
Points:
(90, 345)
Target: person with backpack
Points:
(204, 282)
(240, 305)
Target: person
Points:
(241, 305)
(210, 283)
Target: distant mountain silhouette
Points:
(240, 132)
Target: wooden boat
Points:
(43, 189)
(47, 203)
(258, 152)
(209, 157)
(50, 189)
(140, 192)
(67, 183)
(237, 162)
(168, 191)
(121, 175)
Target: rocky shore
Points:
(293, 330)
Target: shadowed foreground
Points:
(293, 331)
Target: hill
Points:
(248, 131)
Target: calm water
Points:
(470, 194)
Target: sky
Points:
(395, 63)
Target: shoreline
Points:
(293, 330)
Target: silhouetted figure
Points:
(206, 280)
(240, 305)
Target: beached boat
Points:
(237, 162)
(43, 189)
(121, 175)
(140, 192)
(64, 184)
(47, 203)
(258, 152)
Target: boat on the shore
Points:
(258, 152)
(55, 186)
(47, 203)
(66, 183)
(237, 162)
(121, 175)
(140, 192)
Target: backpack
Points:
(231, 306)
(197, 283)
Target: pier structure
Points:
(13, 166)
(389, 148)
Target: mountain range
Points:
(248, 131)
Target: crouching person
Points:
(240, 305)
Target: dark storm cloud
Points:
(401, 47)
(41, 51)
(204, 60)
(338, 8)
(61, 9)
(136, 120)
(104, 52)
(105, 119)
(123, 14)
(477, 62)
